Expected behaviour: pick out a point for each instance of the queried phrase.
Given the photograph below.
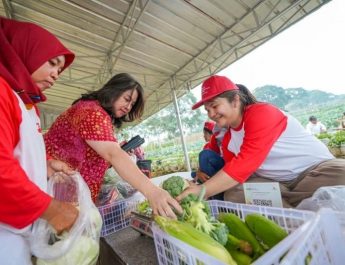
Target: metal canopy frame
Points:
(159, 42)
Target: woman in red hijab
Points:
(31, 60)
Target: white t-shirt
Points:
(315, 128)
(272, 144)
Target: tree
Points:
(164, 122)
(272, 94)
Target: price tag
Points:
(263, 194)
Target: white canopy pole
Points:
(179, 123)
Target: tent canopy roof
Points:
(164, 44)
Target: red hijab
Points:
(24, 47)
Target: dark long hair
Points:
(111, 91)
(246, 97)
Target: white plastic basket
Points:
(117, 215)
(173, 251)
(323, 243)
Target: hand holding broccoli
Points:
(162, 203)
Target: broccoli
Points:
(220, 232)
(175, 185)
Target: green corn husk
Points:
(240, 257)
(188, 234)
(265, 229)
(240, 230)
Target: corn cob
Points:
(188, 234)
(266, 230)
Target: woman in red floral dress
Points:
(83, 137)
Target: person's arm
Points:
(160, 200)
(217, 184)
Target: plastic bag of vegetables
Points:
(79, 246)
(112, 179)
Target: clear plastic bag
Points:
(125, 188)
(112, 178)
(80, 245)
(108, 194)
(325, 197)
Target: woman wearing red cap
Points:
(31, 60)
(264, 144)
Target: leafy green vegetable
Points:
(85, 249)
(337, 139)
(83, 252)
(220, 232)
(144, 208)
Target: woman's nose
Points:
(129, 106)
(55, 74)
(210, 113)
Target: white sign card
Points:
(263, 194)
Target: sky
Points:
(309, 54)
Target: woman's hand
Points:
(56, 166)
(203, 177)
(60, 215)
(162, 203)
(192, 189)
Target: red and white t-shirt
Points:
(271, 144)
(23, 169)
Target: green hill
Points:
(301, 103)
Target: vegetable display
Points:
(244, 241)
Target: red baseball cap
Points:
(214, 86)
(209, 125)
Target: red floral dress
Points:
(66, 141)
